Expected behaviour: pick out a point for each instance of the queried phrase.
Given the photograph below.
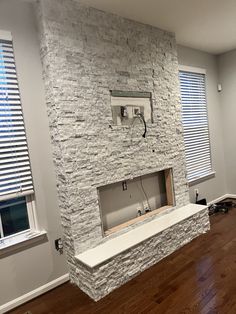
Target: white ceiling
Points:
(207, 25)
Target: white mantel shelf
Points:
(121, 243)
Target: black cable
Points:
(144, 122)
(196, 196)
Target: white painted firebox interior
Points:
(125, 200)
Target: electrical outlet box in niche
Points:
(127, 106)
(143, 196)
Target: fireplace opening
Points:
(127, 202)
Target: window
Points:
(14, 216)
(16, 184)
(195, 123)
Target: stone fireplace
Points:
(86, 54)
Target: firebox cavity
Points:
(127, 202)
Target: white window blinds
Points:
(195, 124)
(15, 171)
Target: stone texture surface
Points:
(101, 280)
(85, 54)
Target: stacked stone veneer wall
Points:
(85, 54)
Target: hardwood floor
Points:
(199, 278)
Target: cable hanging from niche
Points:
(141, 118)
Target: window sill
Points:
(201, 179)
(21, 241)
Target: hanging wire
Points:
(144, 192)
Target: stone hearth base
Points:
(98, 272)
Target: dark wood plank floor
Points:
(199, 278)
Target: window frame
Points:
(211, 173)
(33, 226)
(30, 197)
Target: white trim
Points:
(192, 69)
(30, 203)
(33, 294)
(221, 198)
(7, 197)
(198, 180)
(20, 241)
(231, 195)
(5, 35)
(1, 229)
(218, 199)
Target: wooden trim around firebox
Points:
(169, 187)
(137, 219)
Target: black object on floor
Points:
(203, 201)
(217, 208)
(221, 207)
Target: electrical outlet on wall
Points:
(136, 111)
(139, 211)
(123, 111)
(59, 245)
(146, 207)
(124, 186)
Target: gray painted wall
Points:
(227, 77)
(24, 271)
(214, 187)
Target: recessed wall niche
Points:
(128, 106)
(127, 202)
